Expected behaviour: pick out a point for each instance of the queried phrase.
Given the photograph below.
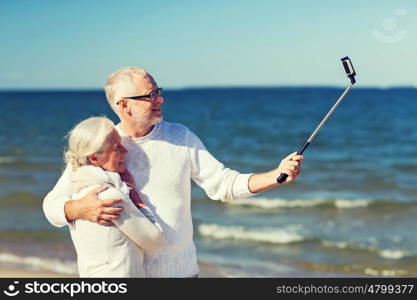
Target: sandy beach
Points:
(206, 271)
(21, 273)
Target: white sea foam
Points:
(47, 264)
(272, 236)
(374, 272)
(385, 253)
(340, 203)
(393, 254)
(300, 203)
(339, 245)
(7, 159)
(277, 203)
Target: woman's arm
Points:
(143, 231)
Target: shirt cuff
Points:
(71, 224)
(241, 186)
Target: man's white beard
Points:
(145, 123)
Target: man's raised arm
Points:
(223, 184)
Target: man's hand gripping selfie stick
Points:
(350, 72)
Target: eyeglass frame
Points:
(148, 98)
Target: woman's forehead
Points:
(113, 137)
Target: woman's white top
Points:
(116, 250)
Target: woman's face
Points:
(113, 158)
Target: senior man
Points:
(162, 158)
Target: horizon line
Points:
(96, 89)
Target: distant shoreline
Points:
(204, 88)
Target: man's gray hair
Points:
(87, 137)
(120, 84)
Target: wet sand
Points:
(206, 271)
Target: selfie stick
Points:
(350, 72)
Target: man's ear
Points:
(124, 106)
(92, 159)
(122, 103)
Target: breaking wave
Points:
(39, 263)
(392, 254)
(289, 236)
(272, 236)
(280, 203)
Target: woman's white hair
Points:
(120, 84)
(87, 137)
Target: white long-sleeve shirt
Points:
(112, 251)
(163, 163)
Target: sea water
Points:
(351, 212)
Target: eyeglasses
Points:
(151, 97)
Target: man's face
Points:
(145, 113)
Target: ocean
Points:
(351, 212)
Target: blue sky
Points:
(77, 44)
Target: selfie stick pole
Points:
(350, 72)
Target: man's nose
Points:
(159, 99)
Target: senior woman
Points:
(96, 158)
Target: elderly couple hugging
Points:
(126, 191)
